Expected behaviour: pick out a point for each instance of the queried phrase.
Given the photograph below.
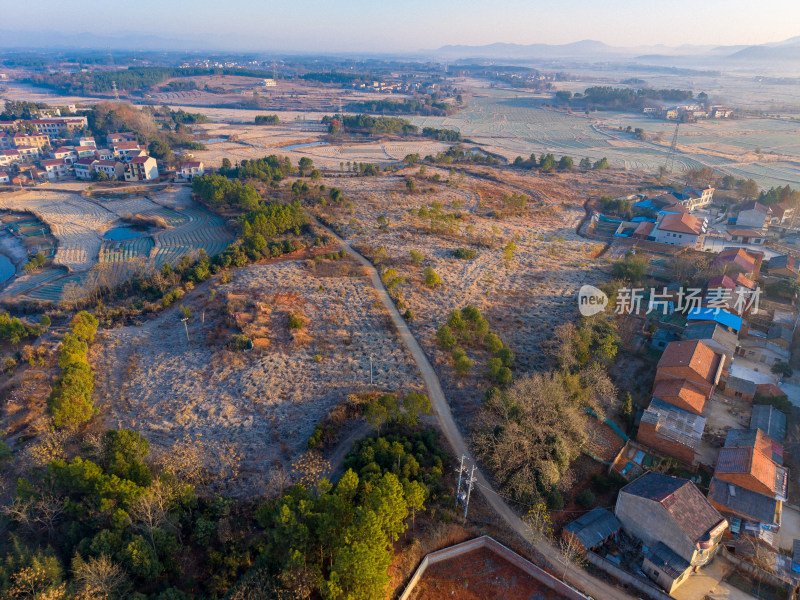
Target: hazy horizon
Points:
(358, 26)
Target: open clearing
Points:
(84, 257)
(264, 402)
(522, 301)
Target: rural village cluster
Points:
(461, 327)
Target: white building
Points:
(84, 168)
(753, 215)
(681, 229)
(87, 141)
(55, 168)
(4, 178)
(191, 169)
(113, 168)
(141, 168)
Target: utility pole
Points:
(115, 90)
(187, 328)
(472, 479)
(460, 473)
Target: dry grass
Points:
(265, 401)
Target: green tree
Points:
(432, 279)
(446, 338)
(565, 163)
(417, 257)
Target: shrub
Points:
(465, 253)
(555, 501)
(463, 365)
(493, 343)
(417, 257)
(446, 338)
(296, 321)
(432, 279)
(585, 498)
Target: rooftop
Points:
(693, 354)
(681, 223)
(717, 315)
(681, 498)
(742, 501)
(667, 561)
(737, 256)
(758, 465)
(594, 527)
(679, 425)
(671, 390)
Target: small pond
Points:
(7, 269)
(124, 233)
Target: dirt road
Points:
(579, 578)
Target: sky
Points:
(410, 25)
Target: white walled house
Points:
(753, 215)
(141, 168)
(114, 169)
(55, 168)
(191, 169)
(66, 152)
(681, 229)
(4, 178)
(84, 168)
(87, 141)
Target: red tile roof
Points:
(681, 223)
(737, 256)
(678, 391)
(52, 162)
(721, 281)
(140, 159)
(693, 354)
(126, 146)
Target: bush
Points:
(585, 498)
(555, 501)
(296, 321)
(465, 253)
(432, 279)
(446, 338)
(463, 365)
(493, 343)
(601, 483)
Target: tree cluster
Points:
(70, 401)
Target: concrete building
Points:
(753, 215)
(84, 168)
(67, 153)
(114, 169)
(37, 140)
(191, 169)
(126, 150)
(738, 260)
(4, 178)
(681, 229)
(661, 509)
(770, 421)
(28, 153)
(141, 168)
(58, 126)
(55, 168)
(762, 350)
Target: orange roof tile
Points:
(693, 354)
(678, 391)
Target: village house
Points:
(713, 314)
(749, 461)
(717, 337)
(191, 169)
(688, 365)
(781, 336)
(692, 199)
(671, 431)
(67, 153)
(769, 420)
(761, 350)
(738, 503)
(114, 138)
(738, 260)
(753, 215)
(6, 141)
(55, 168)
(126, 150)
(4, 178)
(141, 168)
(28, 153)
(9, 157)
(784, 266)
(782, 214)
(675, 521)
(84, 151)
(103, 154)
(679, 229)
(114, 169)
(87, 141)
(25, 140)
(84, 168)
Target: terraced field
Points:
(84, 259)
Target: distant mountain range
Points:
(787, 50)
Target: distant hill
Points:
(788, 50)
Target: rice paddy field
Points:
(84, 258)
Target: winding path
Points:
(579, 578)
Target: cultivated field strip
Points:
(85, 259)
